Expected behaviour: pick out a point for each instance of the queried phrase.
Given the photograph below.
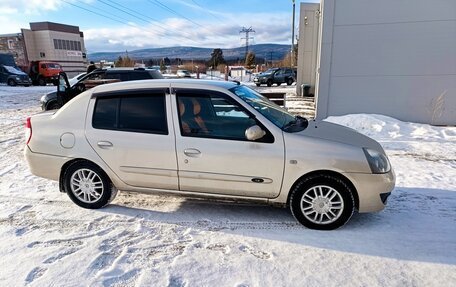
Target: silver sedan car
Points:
(209, 139)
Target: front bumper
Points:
(24, 82)
(372, 189)
(260, 80)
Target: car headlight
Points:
(18, 78)
(378, 162)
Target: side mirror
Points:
(254, 132)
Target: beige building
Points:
(47, 41)
(396, 58)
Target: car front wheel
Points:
(88, 186)
(322, 202)
(11, 82)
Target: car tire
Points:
(278, 84)
(258, 85)
(289, 81)
(269, 83)
(322, 202)
(41, 81)
(88, 186)
(12, 83)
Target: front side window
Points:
(144, 113)
(213, 115)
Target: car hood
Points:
(341, 134)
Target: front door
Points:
(213, 153)
(132, 134)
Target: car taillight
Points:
(28, 130)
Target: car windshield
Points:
(270, 71)
(53, 66)
(276, 114)
(14, 70)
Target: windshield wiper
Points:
(301, 122)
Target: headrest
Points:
(181, 107)
(196, 107)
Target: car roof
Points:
(163, 83)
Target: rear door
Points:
(132, 134)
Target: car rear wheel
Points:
(88, 186)
(289, 81)
(322, 202)
(269, 83)
(11, 82)
(258, 85)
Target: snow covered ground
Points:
(139, 240)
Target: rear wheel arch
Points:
(74, 161)
(323, 173)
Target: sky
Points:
(118, 25)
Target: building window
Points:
(10, 44)
(42, 55)
(55, 44)
(79, 46)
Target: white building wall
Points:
(390, 57)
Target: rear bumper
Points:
(44, 165)
(373, 189)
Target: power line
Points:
(143, 19)
(165, 7)
(247, 31)
(116, 20)
(206, 10)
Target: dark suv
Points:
(51, 101)
(275, 76)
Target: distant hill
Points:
(196, 53)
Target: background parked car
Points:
(183, 74)
(275, 76)
(14, 76)
(50, 101)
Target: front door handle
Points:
(192, 152)
(105, 144)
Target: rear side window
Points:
(139, 75)
(144, 113)
(119, 76)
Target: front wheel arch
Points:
(332, 173)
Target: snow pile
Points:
(417, 151)
(152, 240)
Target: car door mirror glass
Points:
(254, 133)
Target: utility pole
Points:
(292, 36)
(247, 31)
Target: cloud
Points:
(29, 6)
(269, 27)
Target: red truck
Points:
(44, 72)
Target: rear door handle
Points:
(105, 144)
(192, 152)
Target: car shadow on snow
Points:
(417, 225)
